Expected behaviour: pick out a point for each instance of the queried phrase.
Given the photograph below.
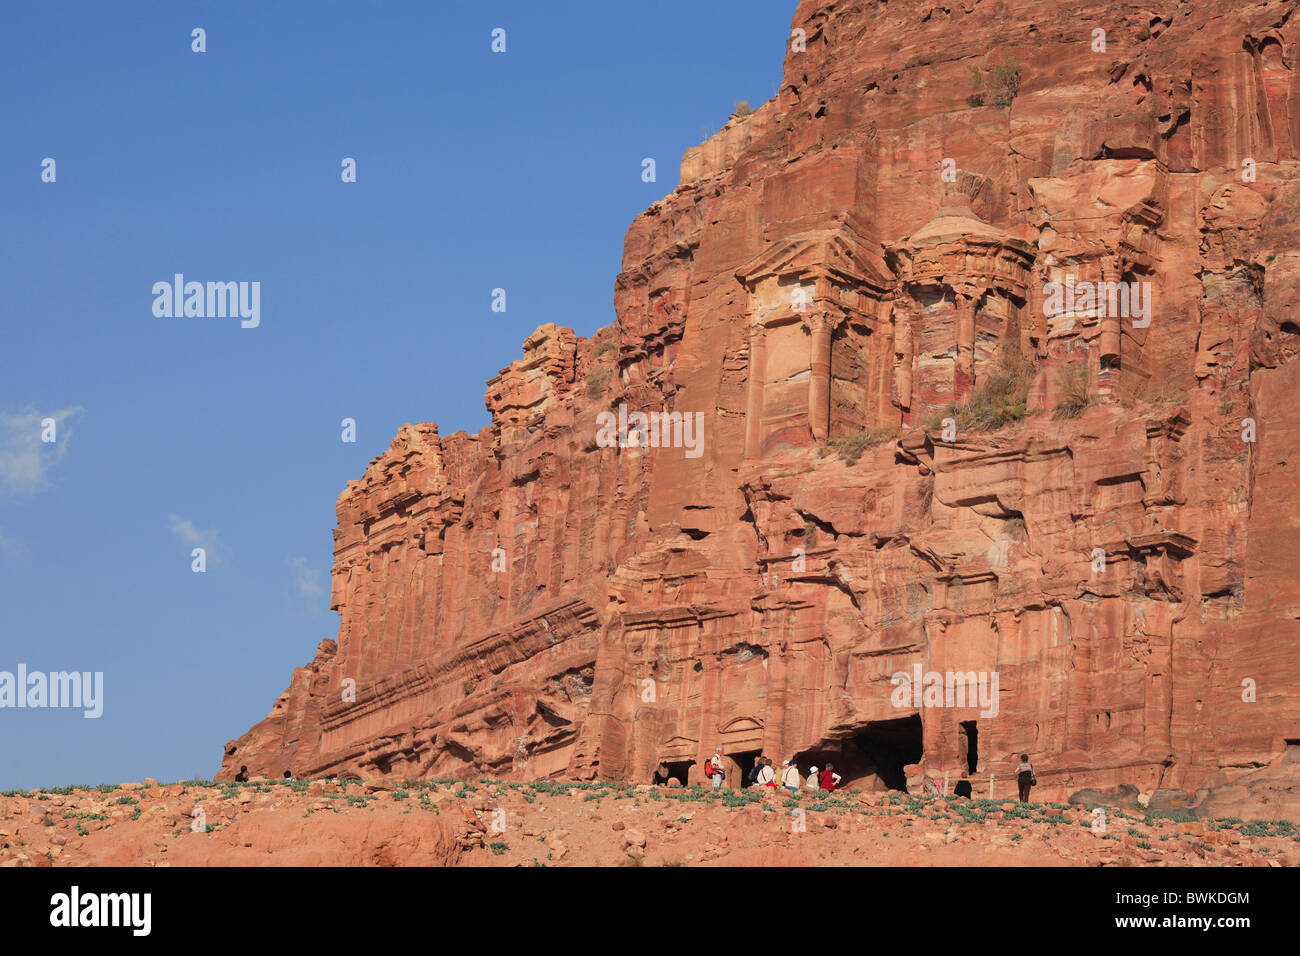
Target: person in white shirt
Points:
(716, 771)
(812, 779)
(766, 775)
(790, 778)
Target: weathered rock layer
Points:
(1104, 524)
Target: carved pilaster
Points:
(757, 370)
(819, 386)
(965, 374)
(904, 358)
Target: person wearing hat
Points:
(790, 776)
(813, 783)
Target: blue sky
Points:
(475, 171)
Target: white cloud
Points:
(307, 582)
(193, 537)
(26, 460)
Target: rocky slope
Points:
(907, 449)
(500, 823)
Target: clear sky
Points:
(475, 170)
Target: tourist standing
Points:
(1025, 777)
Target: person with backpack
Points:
(813, 783)
(790, 776)
(1025, 777)
(751, 778)
(766, 776)
(829, 778)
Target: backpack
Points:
(752, 776)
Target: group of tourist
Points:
(765, 774)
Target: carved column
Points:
(819, 387)
(757, 370)
(903, 358)
(965, 374)
(1110, 324)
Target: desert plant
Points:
(925, 491)
(596, 382)
(999, 399)
(1074, 393)
(850, 449)
(1002, 84)
(1006, 83)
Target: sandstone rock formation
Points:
(1105, 521)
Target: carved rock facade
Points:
(525, 602)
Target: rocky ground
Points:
(495, 823)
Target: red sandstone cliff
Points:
(822, 287)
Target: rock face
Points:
(898, 437)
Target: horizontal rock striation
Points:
(988, 335)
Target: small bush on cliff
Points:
(742, 109)
(925, 491)
(998, 400)
(1006, 83)
(1001, 83)
(850, 449)
(1074, 393)
(596, 382)
(1161, 391)
(602, 347)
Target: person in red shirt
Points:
(829, 779)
